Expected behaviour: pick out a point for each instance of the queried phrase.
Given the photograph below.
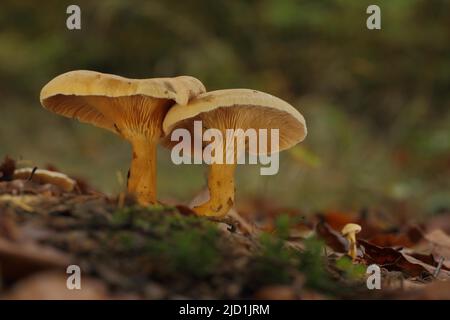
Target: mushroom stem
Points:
(352, 250)
(142, 176)
(221, 191)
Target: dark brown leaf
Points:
(185, 210)
(407, 238)
(7, 168)
(332, 238)
(392, 260)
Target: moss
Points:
(283, 224)
(127, 240)
(141, 217)
(176, 246)
(188, 251)
(351, 270)
(273, 264)
(174, 242)
(312, 263)
(121, 217)
(159, 208)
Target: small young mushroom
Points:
(349, 231)
(132, 108)
(45, 176)
(234, 109)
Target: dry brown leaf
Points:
(20, 259)
(440, 242)
(443, 274)
(332, 238)
(337, 219)
(428, 259)
(441, 221)
(52, 286)
(408, 238)
(393, 260)
(437, 290)
(20, 187)
(279, 292)
(7, 168)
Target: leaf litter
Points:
(165, 252)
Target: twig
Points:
(438, 268)
(32, 174)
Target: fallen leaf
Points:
(441, 275)
(440, 221)
(185, 210)
(428, 259)
(19, 187)
(20, 259)
(275, 293)
(8, 226)
(52, 286)
(437, 290)
(440, 245)
(7, 168)
(393, 260)
(408, 238)
(332, 238)
(337, 219)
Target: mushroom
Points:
(45, 176)
(234, 109)
(132, 108)
(349, 231)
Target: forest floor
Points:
(167, 252)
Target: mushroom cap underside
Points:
(85, 95)
(238, 109)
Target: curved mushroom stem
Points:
(142, 179)
(221, 191)
(352, 250)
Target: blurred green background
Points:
(376, 102)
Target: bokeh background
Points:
(376, 102)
